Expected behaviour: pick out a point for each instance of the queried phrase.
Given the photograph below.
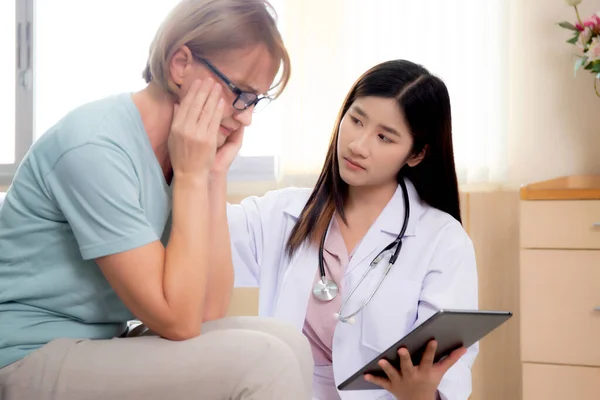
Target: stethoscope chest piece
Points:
(325, 289)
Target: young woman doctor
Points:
(376, 247)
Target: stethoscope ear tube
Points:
(321, 261)
(398, 240)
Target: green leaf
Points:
(579, 63)
(589, 66)
(596, 67)
(568, 25)
(574, 39)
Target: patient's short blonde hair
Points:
(208, 27)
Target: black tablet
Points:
(451, 329)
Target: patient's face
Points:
(374, 142)
(251, 69)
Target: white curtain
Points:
(86, 50)
(332, 42)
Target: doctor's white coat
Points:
(435, 269)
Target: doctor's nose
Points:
(360, 146)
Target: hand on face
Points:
(193, 139)
(228, 151)
(242, 69)
(198, 121)
(415, 382)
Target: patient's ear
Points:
(180, 65)
(414, 160)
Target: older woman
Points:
(86, 241)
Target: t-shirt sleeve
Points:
(98, 191)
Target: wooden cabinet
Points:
(560, 224)
(560, 289)
(560, 382)
(492, 222)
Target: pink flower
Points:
(586, 35)
(593, 52)
(593, 23)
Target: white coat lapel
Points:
(295, 285)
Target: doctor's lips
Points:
(355, 165)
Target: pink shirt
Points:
(320, 322)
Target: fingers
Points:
(176, 108)
(237, 135)
(199, 99)
(236, 139)
(449, 361)
(212, 126)
(381, 382)
(406, 366)
(391, 372)
(182, 109)
(429, 355)
(207, 115)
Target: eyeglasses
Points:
(243, 100)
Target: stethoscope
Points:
(326, 289)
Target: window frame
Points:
(24, 86)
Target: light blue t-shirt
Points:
(89, 187)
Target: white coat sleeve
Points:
(245, 231)
(451, 282)
(248, 223)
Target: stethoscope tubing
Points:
(397, 243)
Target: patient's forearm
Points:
(220, 276)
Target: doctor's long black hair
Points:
(424, 101)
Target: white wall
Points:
(554, 124)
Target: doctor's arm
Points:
(451, 282)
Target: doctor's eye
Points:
(355, 121)
(384, 138)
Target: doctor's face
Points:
(374, 142)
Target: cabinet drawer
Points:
(568, 224)
(560, 382)
(560, 301)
